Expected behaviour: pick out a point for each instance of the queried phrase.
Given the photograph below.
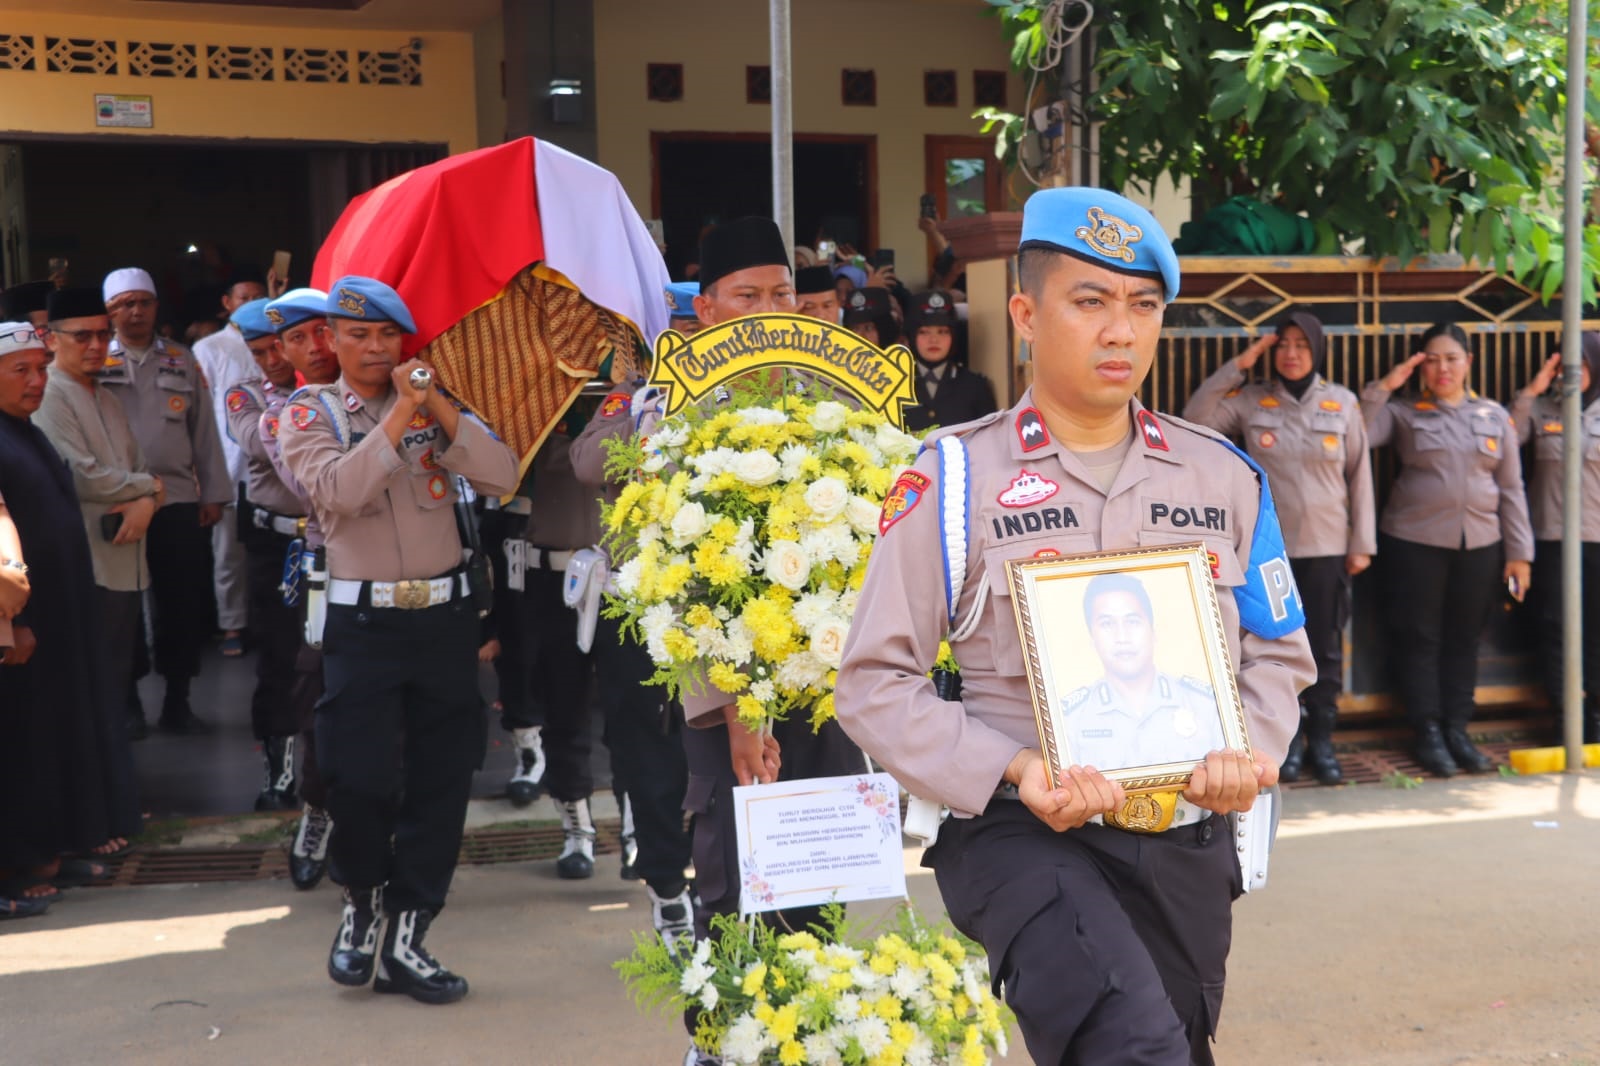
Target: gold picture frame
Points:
(1098, 630)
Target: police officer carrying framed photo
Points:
(1308, 434)
(400, 726)
(1111, 943)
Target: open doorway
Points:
(703, 178)
(192, 213)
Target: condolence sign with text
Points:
(818, 840)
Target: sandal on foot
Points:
(22, 908)
(77, 873)
(25, 889)
(104, 852)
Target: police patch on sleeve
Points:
(301, 415)
(235, 399)
(615, 404)
(907, 491)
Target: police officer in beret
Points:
(270, 518)
(680, 306)
(1108, 930)
(400, 727)
(300, 318)
(947, 392)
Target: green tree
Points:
(1409, 126)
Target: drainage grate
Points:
(270, 861)
(1374, 766)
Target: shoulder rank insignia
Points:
(1268, 401)
(1195, 683)
(1331, 405)
(1031, 431)
(1153, 437)
(1231, 393)
(1075, 698)
(907, 491)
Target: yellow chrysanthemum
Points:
(680, 645)
(726, 678)
(791, 1053)
(887, 1007)
(785, 1022)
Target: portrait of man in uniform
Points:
(1148, 696)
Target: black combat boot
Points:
(355, 948)
(405, 965)
(1432, 753)
(629, 839)
(576, 861)
(1464, 751)
(277, 789)
(308, 858)
(1319, 722)
(1294, 763)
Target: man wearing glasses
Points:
(169, 407)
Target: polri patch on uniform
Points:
(1424, 405)
(438, 486)
(1031, 432)
(907, 491)
(172, 362)
(617, 403)
(235, 399)
(1046, 553)
(1027, 489)
(420, 420)
(1330, 443)
(1552, 427)
(302, 416)
(177, 404)
(429, 460)
(1268, 439)
(272, 428)
(1153, 437)
(1268, 401)
(1331, 405)
(1216, 565)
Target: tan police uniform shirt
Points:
(1538, 418)
(1313, 449)
(88, 427)
(270, 428)
(245, 403)
(1030, 496)
(1460, 483)
(1176, 719)
(567, 516)
(613, 421)
(169, 407)
(387, 512)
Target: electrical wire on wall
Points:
(1063, 22)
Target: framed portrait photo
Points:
(1127, 663)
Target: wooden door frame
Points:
(867, 140)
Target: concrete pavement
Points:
(1449, 924)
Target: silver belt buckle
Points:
(411, 595)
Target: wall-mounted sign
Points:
(116, 110)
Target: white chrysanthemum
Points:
(672, 433)
(866, 979)
(920, 1053)
(740, 641)
(786, 563)
(971, 982)
(654, 623)
(765, 691)
(698, 484)
(820, 1051)
(872, 1034)
(829, 416)
(827, 497)
(905, 982)
(827, 640)
(694, 978)
(649, 534)
(847, 603)
(811, 607)
(862, 514)
(702, 952)
(709, 996)
(713, 462)
(832, 541)
(762, 416)
(628, 576)
(743, 547)
(689, 524)
(792, 460)
(847, 1008)
(744, 1041)
(758, 467)
(801, 670)
(653, 463)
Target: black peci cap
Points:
(739, 245)
(75, 303)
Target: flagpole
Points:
(782, 126)
(1571, 387)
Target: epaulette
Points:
(1198, 430)
(323, 395)
(1202, 687)
(1077, 697)
(961, 428)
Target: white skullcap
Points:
(128, 279)
(18, 337)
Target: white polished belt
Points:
(546, 559)
(287, 525)
(403, 595)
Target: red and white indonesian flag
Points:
(524, 267)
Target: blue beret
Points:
(1102, 228)
(250, 319)
(680, 298)
(367, 300)
(295, 306)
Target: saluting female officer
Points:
(1455, 526)
(1308, 435)
(1538, 417)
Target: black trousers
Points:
(304, 693)
(1439, 601)
(1325, 591)
(642, 730)
(544, 681)
(182, 597)
(827, 753)
(400, 730)
(1111, 946)
(1548, 591)
(278, 633)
